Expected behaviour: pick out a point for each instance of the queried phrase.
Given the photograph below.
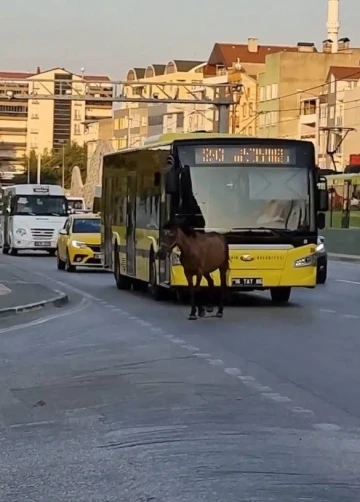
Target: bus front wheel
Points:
(156, 291)
(280, 295)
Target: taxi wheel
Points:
(60, 264)
(69, 267)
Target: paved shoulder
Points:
(20, 292)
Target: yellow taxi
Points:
(79, 243)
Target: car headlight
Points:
(79, 245)
(21, 231)
(306, 261)
(320, 248)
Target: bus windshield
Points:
(40, 205)
(235, 197)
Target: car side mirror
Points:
(321, 221)
(63, 232)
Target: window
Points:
(77, 129)
(251, 109)
(250, 131)
(332, 112)
(245, 110)
(262, 93)
(268, 92)
(274, 91)
(179, 120)
(34, 115)
(77, 115)
(332, 84)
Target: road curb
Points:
(58, 301)
(344, 258)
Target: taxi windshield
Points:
(86, 226)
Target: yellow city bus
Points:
(265, 195)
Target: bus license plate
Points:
(248, 281)
(42, 244)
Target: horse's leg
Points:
(223, 286)
(199, 296)
(192, 316)
(210, 303)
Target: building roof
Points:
(15, 75)
(344, 72)
(227, 54)
(184, 65)
(159, 69)
(140, 72)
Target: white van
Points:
(76, 205)
(32, 216)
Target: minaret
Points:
(333, 23)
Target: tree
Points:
(52, 162)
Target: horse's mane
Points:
(182, 225)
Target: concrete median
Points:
(19, 293)
(342, 243)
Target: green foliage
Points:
(51, 164)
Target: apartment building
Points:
(37, 124)
(136, 121)
(289, 77)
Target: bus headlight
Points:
(79, 245)
(320, 248)
(307, 261)
(21, 231)
(175, 259)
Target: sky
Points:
(111, 36)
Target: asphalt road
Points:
(119, 398)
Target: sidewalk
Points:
(344, 257)
(20, 293)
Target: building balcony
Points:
(13, 130)
(308, 119)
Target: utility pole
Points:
(63, 167)
(38, 176)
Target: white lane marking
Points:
(246, 378)
(327, 311)
(178, 341)
(79, 308)
(134, 318)
(31, 424)
(327, 427)
(350, 316)
(276, 397)
(348, 282)
(190, 348)
(144, 323)
(202, 355)
(156, 330)
(300, 409)
(215, 362)
(232, 371)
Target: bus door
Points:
(165, 215)
(130, 225)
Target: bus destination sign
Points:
(265, 155)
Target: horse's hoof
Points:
(192, 317)
(209, 310)
(202, 313)
(219, 315)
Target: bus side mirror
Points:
(171, 182)
(321, 221)
(323, 195)
(323, 201)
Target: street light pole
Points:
(38, 176)
(63, 167)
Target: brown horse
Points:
(200, 254)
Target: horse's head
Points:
(170, 236)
